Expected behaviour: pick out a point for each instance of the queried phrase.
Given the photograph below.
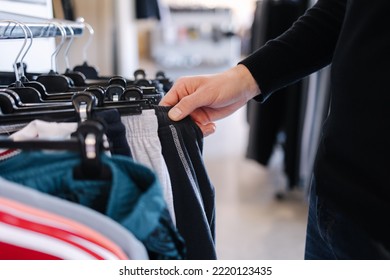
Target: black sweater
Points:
(352, 167)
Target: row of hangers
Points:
(53, 91)
(75, 93)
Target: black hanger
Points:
(132, 93)
(8, 77)
(87, 140)
(33, 84)
(10, 104)
(116, 87)
(151, 89)
(27, 94)
(84, 102)
(77, 77)
(153, 94)
(29, 91)
(20, 104)
(140, 79)
(35, 92)
(9, 113)
(53, 81)
(166, 82)
(90, 134)
(90, 72)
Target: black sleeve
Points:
(303, 49)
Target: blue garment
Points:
(115, 131)
(332, 235)
(133, 197)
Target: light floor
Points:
(251, 222)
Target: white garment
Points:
(38, 129)
(48, 130)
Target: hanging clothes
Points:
(281, 114)
(8, 129)
(145, 146)
(193, 193)
(115, 131)
(25, 230)
(43, 129)
(106, 226)
(143, 190)
(147, 9)
(133, 197)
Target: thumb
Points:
(176, 114)
(182, 109)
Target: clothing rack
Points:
(40, 28)
(153, 165)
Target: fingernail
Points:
(175, 113)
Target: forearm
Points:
(303, 49)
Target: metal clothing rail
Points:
(40, 28)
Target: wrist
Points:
(250, 86)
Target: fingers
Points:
(185, 107)
(180, 89)
(182, 109)
(187, 99)
(170, 99)
(207, 129)
(176, 113)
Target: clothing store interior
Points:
(92, 167)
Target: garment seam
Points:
(185, 164)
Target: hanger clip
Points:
(83, 103)
(90, 134)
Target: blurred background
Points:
(260, 158)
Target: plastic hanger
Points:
(30, 91)
(81, 102)
(10, 103)
(77, 77)
(54, 82)
(25, 106)
(90, 135)
(166, 82)
(10, 113)
(132, 93)
(79, 109)
(116, 87)
(140, 78)
(20, 84)
(20, 104)
(87, 140)
(89, 71)
(151, 89)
